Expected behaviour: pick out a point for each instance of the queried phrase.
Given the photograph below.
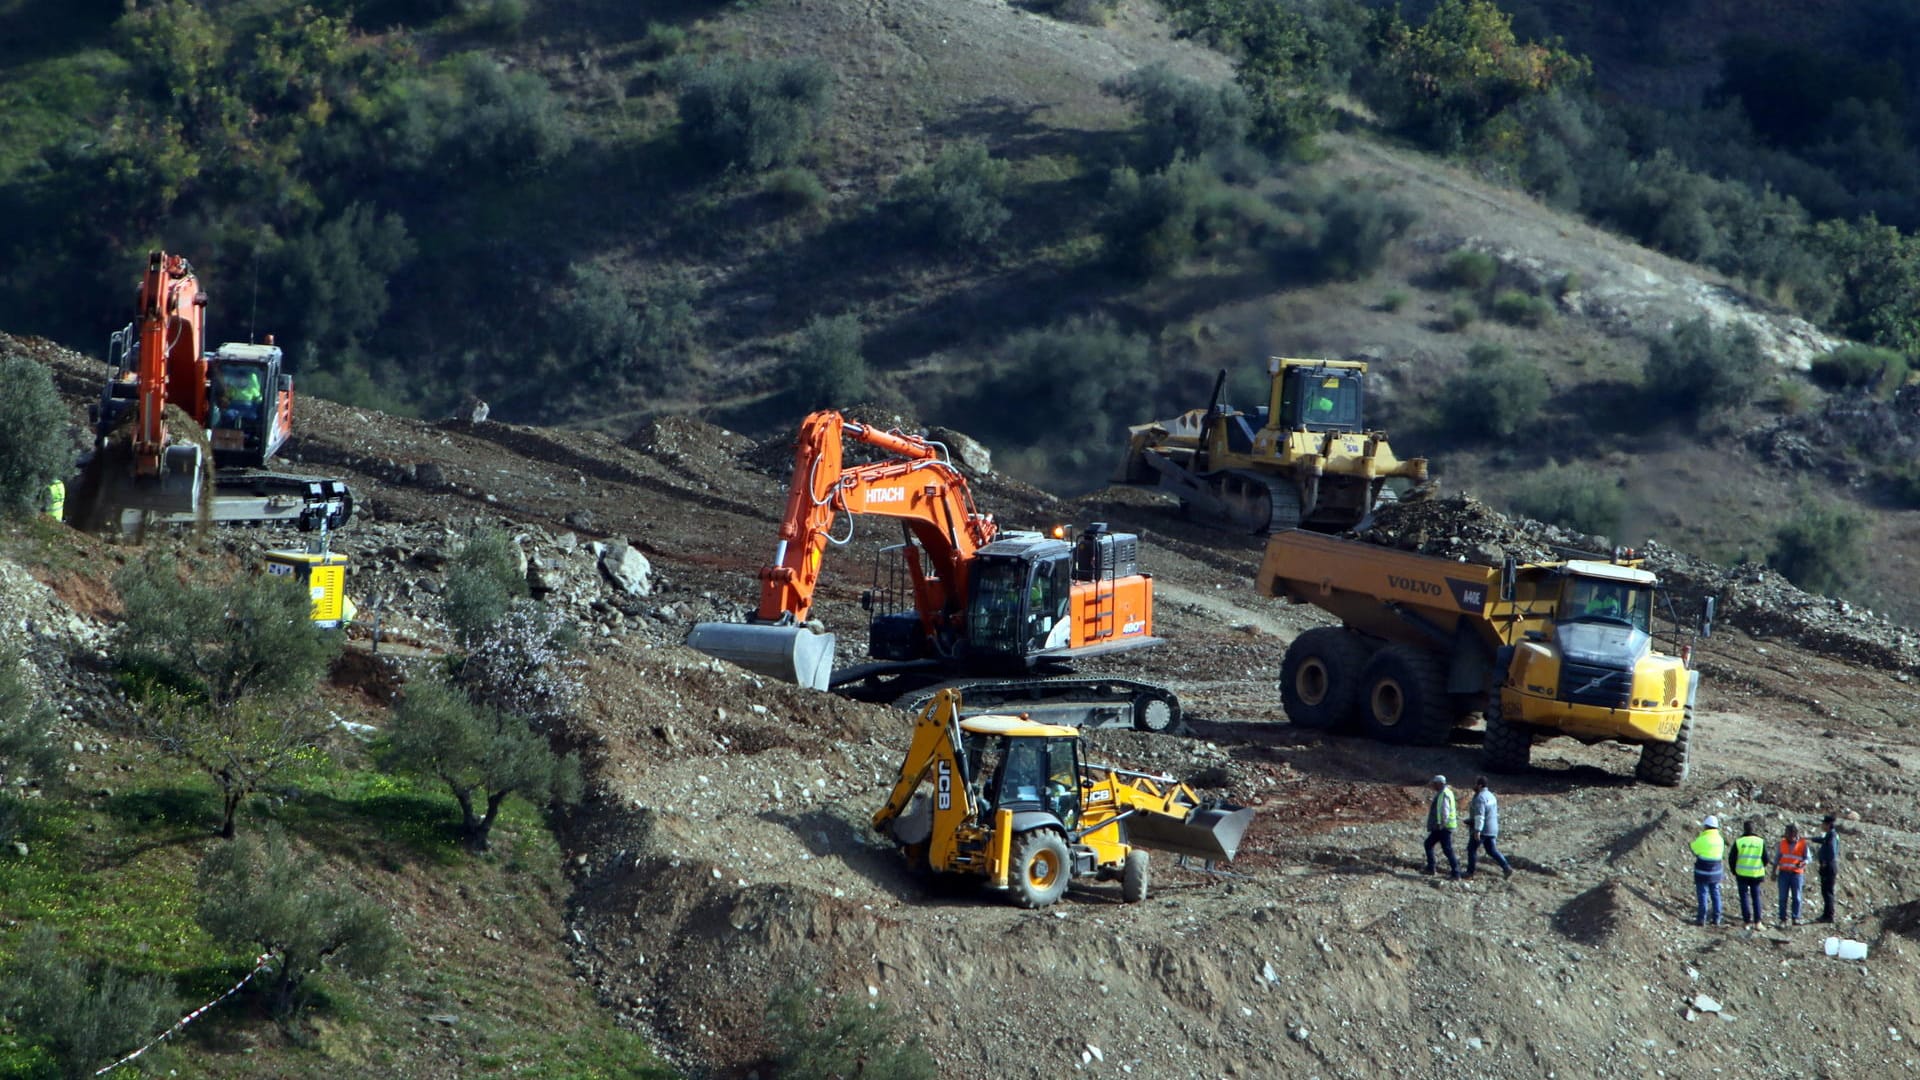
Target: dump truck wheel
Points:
(1320, 678)
(1508, 747)
(1668, 764)
(1135, 876)
(1404, 697)
(1040, 868)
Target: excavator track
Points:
(1082, 702)
(255, 497)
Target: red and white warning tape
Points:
(258, 965)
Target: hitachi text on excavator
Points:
(1001, 613)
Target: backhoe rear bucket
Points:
(1208, 833)
(792, 654)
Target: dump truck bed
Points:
(1405, 596)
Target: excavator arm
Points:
(913, 483)
(916, 485)
(171, 336)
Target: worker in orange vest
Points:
(1790, 866)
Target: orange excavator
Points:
(169, 406)
(999, 614)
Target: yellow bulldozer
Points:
(1009, 802)
(1305, 459)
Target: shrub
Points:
(1446, 80)
(262, 894)
(662, 40)
(1072, 387)
(1156, 222)
(1468, 268)
(480, 753)
(754, 113)
(34, 450)
(854, 1041)
(1089, 12)
(85, 1014)
(1461, 313)
(1344, 234)
(1698, 368)
(1497, 396)
(796, 190)
(1572, 498)
(595, 324)
(1279, 66)
(1183, 117)
(828, 368)
(28, 751)
(329, 282)
(957, 203)
(505, 122)
(482, 584)
(1521, 309)
(1863, 367)
(1820, 548)
(1393, 300)
(523, 665)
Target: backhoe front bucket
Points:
(792, 654)
(1212, 833)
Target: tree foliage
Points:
(1277, 64)
(84, 1014)
(261, 893)
(1574, 498)
(481, 753)
(828, 366)
(1498, 396)
(1821, 548)
(853, 1041)
(28, 750)
(1181, 116)
(958, 203)
(484, 580)
(1699, 368)
(35, 448)
(755, 113)
(216, 671)
(1452, 75)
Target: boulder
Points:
(627, 569)
(967, 451)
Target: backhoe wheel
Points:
(1404, 697)
(1668, 764)
(1135, 876)
(1040, 868)
(1508, 746)
(1320, 678)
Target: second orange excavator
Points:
(1001, 614)
(169, 405)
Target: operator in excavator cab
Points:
(239, 394)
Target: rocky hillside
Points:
(724, 849)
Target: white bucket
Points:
(1846, 949)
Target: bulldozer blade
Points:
(792, 654)
(1208, 833)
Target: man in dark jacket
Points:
(1827, 857)
(1443, 816)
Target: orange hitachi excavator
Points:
(1001, 614)
(169, 404)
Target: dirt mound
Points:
(1595, 916)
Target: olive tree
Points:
(34, 451)
(81, 1013)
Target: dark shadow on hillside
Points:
(387, 830)
(825, 836)
(164, 817)
(42, 29)
(597, 23)
(1356, 759)
(1011, 131)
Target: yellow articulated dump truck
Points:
(1540, 649)
(1009, 802)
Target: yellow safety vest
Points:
(1710, 845)
(1747, 857)
(57, 500)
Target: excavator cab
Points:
(1019, 595)
(1321, 398)
(244, 421)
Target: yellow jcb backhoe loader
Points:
(1013, 805)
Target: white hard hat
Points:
(1438, 780)
(1711, 822)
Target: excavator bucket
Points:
(792, 654)
(1210, 832)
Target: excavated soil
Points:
(725, 850)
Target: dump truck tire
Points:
(1508, 747)
(1320, 678)
(1041, 866)
(1403, 697)
(1668, 764)
(1134, 878)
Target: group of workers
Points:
(1483, 827)
(1751, 856)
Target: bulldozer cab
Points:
(1019, 599)
(1603, 592)
(1320, 398)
